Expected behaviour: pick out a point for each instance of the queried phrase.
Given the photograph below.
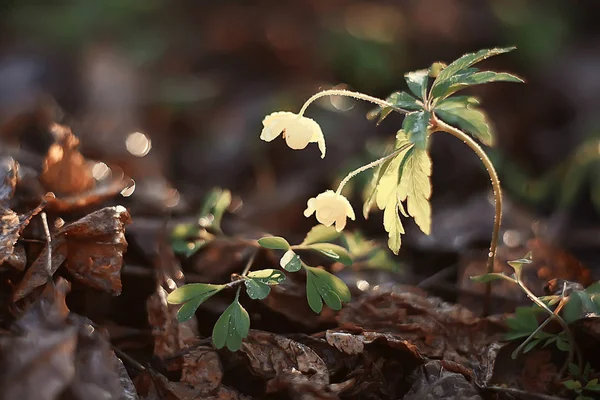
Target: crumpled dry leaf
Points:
(91, 248)
(202, 368)
(438, 330)
(56, 355)
(8, 180)
(154, 386)
(269, 355)
(11, 226)
(432, 381)
(170, 336)
(65, 171)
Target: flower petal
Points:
(310, 209)
(318, 137)
(340, 223)
(298, 133)
(274, 124)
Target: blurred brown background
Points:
(175, 91)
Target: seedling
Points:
(400, 185)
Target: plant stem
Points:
(442, 126)
(250, 262)
(369, 166)
(555, 316)
(348, 93)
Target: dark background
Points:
(197, 77)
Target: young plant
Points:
(401, 183)
(582, 383)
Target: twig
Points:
(48, 244)
(522, 393)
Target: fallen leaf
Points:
(11, 226)
(432, 381)
(65, 171)
(8, 180)
(202, 368)
(92, 249)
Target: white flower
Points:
(330, 208)
(298, 131)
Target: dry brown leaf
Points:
(92, 249)
(432, 381)
(8, 180)
(202, 368)
(65, 171)
(11, 226)
(269, 355)
(438, 330)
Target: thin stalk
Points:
(440, 125)
(557, 318)
(369, 166)
(348, 93)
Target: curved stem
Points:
(442, 126)
(347, 93)
(369, 166)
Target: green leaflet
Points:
(320, 234)
(231, 327)
(274, 243)
(333, 251)
(462, 112)
(415, 125)
(466, 61)
(468, 78)
(417, 82)
(415, 188)
(323, 286)
(400, 100)
(258, 282)
(191, 296)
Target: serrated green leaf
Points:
(290, 261)
(391, 177)
(415, 188)
(578, 304)
(192, 290)
(494, 276)
(466, 61)
(524, 321)
(415, 126)
(231, 327)
(320, 284)
(393, 224)
(274, 242)
(375, 182)
(417, 82)
(321, 234)
(467, 117)
(594, 288)
(400, 100)
(471, 78)
(333, 251)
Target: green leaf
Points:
(333, 251)
(393, 224)
(258, 282)
(593, 385)
(415, 188)
(466, 116)
(320, 234)
(594, 288)
(256, 290)
(417, 82)
(192, 296)
(192, 290)
(320, 284)
(290, 261)
(466, 61)
(274, 242)
(562, 342)
(221, 205)
(267, 276)
(517, 265)
(529, 346)
(210, 201)
(523, 323)
(375, 184)
(494, 276)
(400, 100)
(572, 385)
(472, 78)
(415, 125)
(231, 327)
